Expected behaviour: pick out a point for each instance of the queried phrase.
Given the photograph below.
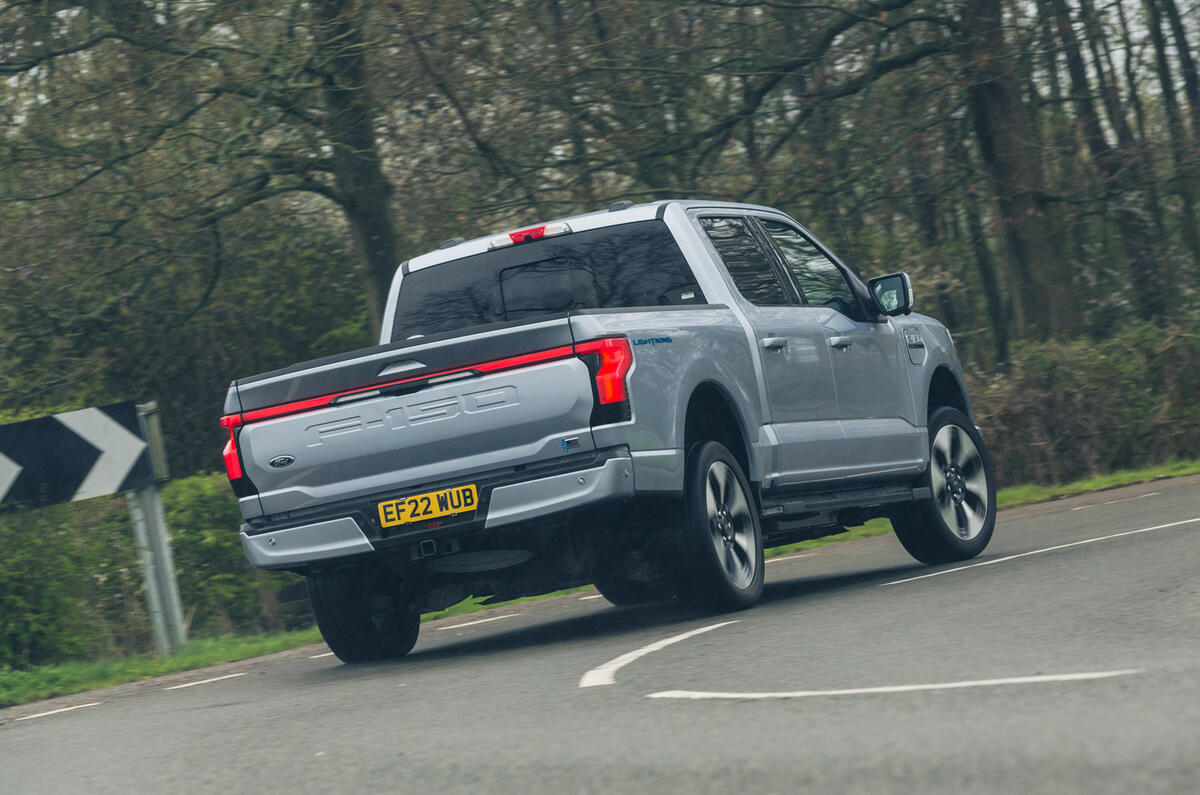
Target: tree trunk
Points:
(563, 96)
(1120, 175)
(1101, 55)
(1187, 63)
(357, 167)
(1145, 151)
(1179, 183)
(1044, 284)
(997, 305)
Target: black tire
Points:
(358, 623)
(721, 533)
(624, 591)
(635, 564)
(956, 523)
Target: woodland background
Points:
(193, 191)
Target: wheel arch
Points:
(712, 415)
(947, 389)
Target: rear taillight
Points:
(616, 359)
(233, 462)
(242, 485)
(609, 361)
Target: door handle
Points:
(840, 342)
(773, 343)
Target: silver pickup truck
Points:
(642, 398)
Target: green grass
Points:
(875, 527)
(19, 687)
(473, 604)
(1024, 495)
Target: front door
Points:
(869, 364)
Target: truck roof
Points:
(578, 223)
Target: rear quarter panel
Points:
(675, 350)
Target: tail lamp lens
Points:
(233, 460)
(616, 360)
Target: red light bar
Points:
(616, 359)
(524, 360)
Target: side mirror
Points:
(893, 293)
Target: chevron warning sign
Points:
(72, 456)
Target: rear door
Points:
(801, 397)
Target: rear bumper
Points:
(295, 546)
(544, 496)
(507, 502)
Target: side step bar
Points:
(835, 500)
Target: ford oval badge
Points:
(281, 461)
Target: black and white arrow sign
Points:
(72, 456)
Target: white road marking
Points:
(319, 656)
(593, 596)
(479, 621)
(791, 557)
(1114, 502)
(205, 681)
(859, 691)
(606, 674)
(1040, 551)
(64, 709)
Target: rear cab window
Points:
(637, 264)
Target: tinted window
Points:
(636, 264)
(745, 260)
(820, 280)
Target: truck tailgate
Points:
(398, 417)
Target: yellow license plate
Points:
(430, 505)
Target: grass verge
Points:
(875, 527)
(19, 687)
(1013, 496)
(474, 604)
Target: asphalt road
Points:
(1067, 661)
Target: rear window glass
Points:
(630, 265)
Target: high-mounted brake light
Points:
(233, 461)
(616, 360)
(527, 235)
